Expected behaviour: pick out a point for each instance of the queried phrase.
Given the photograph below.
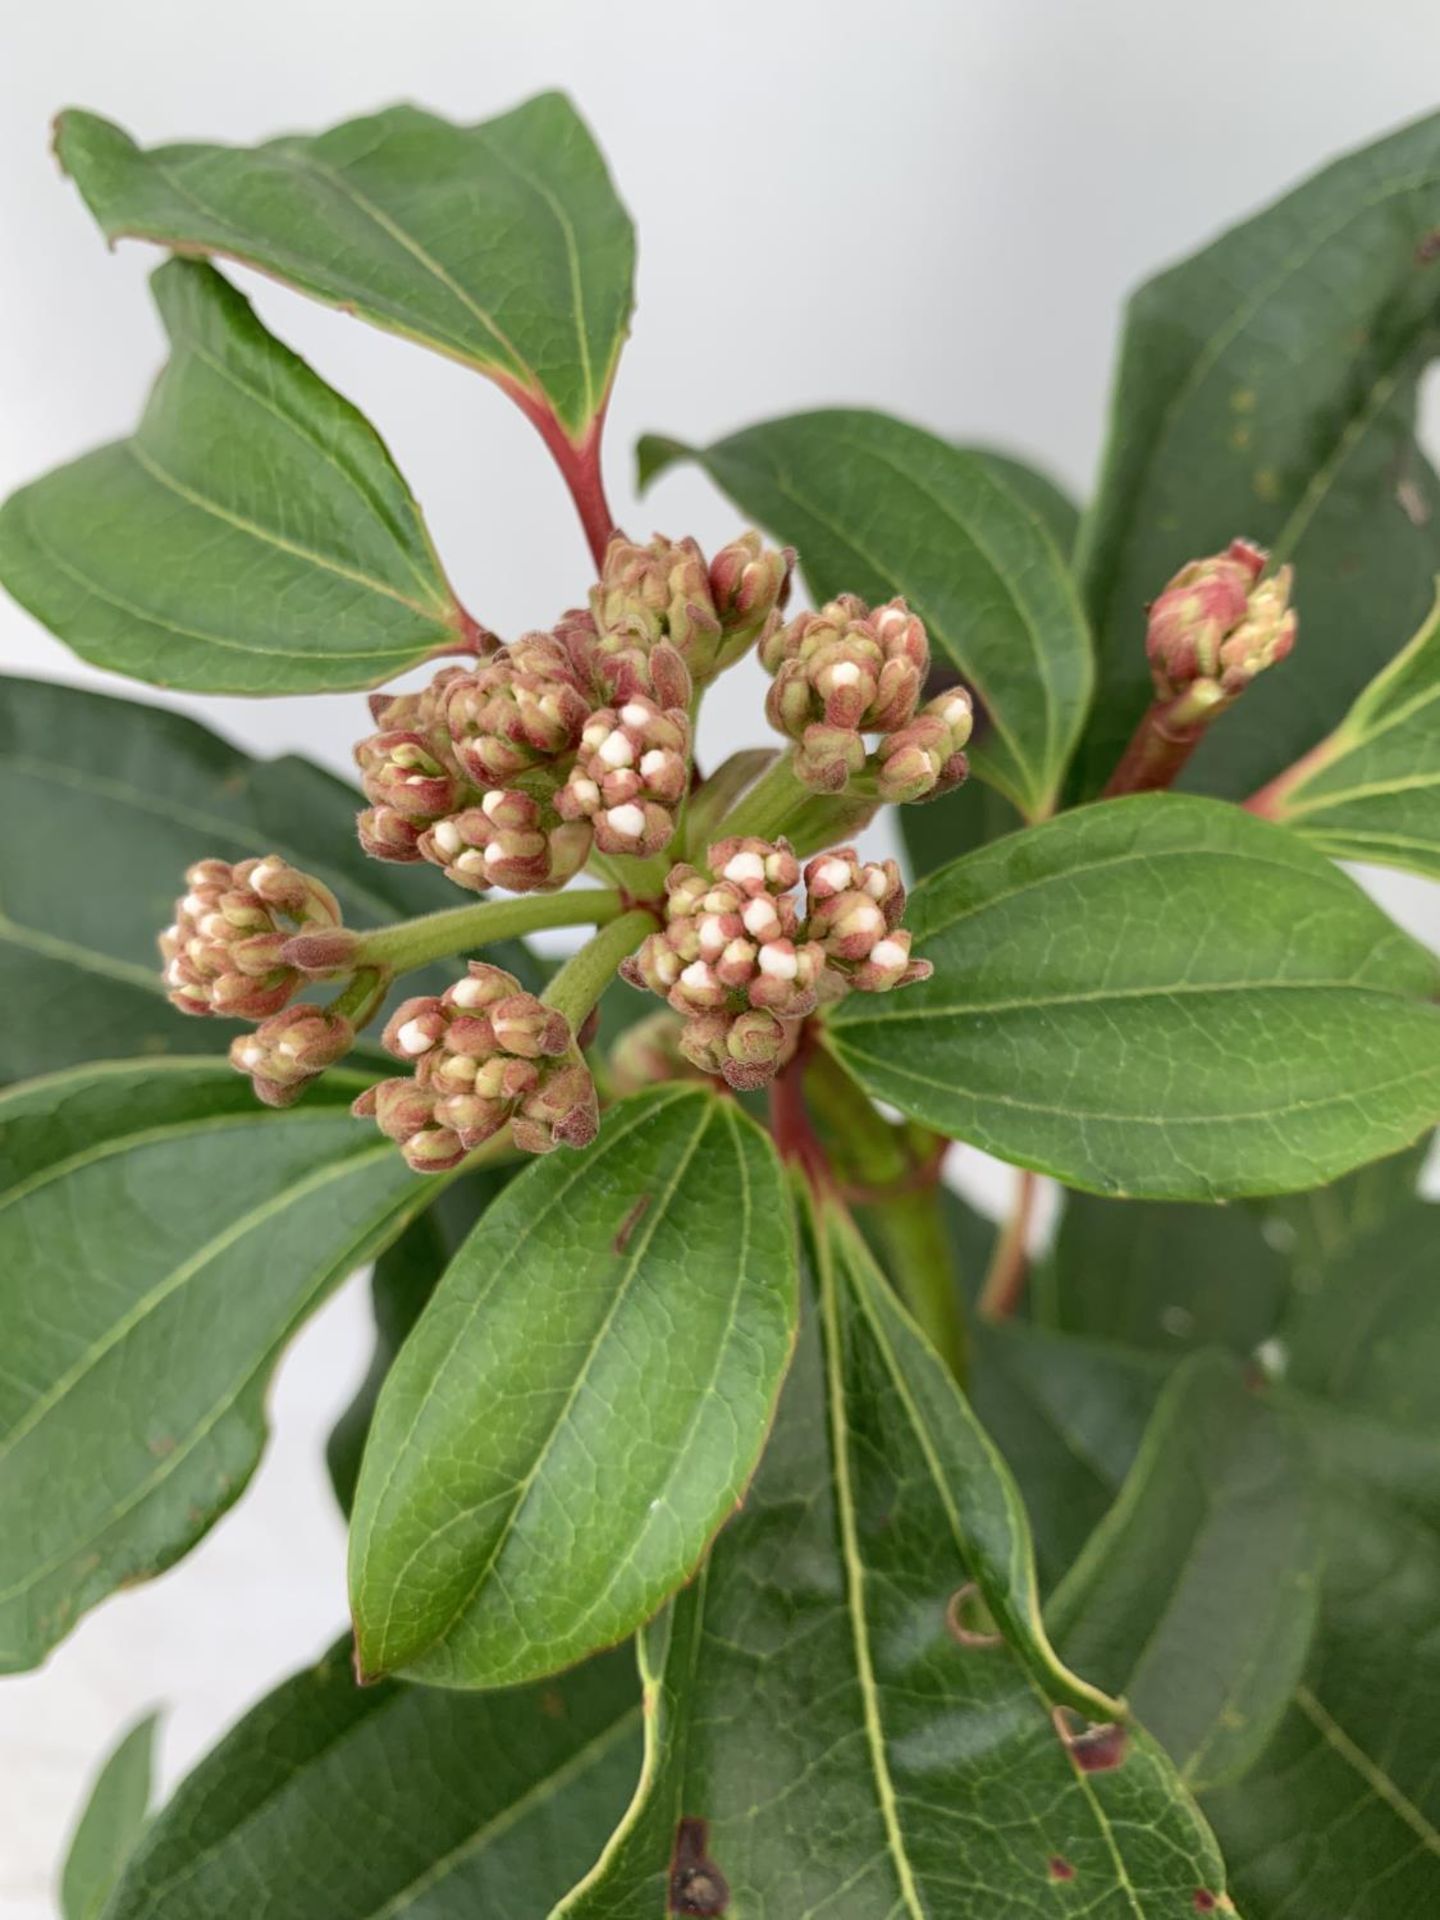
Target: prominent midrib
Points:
(854, 1572)
(235, 1231)
(267, 536)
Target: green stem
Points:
(414, 943)
(362, 996)
(764, 808)
(915, 1251)
(586, 974)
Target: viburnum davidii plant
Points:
(739, 1523)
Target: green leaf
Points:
(502, 245)
(877, 508)
(582, 1402)
(117, 800)
(1039, 490)
(329, 1799)
(161, 1237)
(1267, 386)
(253, 536)
(1196, 1596)
(1342, 1814)
(110, 1824)
(1372, 790)
(1069, 1416)
(1160, 997)
(1316, 1227)
(406, 1274)
(819, 1739)
(1163, 1277)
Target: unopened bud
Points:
(926, 758)
(630, 775)
(522, 709)
(1217, 625)
(388, 835)
(483, 1053)
(849, 671)
(658, 593)
(289, 1050)
(224, 953)
(510, 840)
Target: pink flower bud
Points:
(510, 840)
(847, 669)
(631, 772)
(1217, 622)
(658, 594)
(224, 953)
(926, 758)
(561, 1112)
(289, 1050)
(521, 709)
(387, 835)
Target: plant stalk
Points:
(915, 1251)
(1004, 1286)
(586, 974)
(436, 936)
(1162, 743)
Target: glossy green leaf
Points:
(1165, 1277)
(821, 1738)
(1161, 997)
(1069, 1416)
(582, 1402)
(502, 245)
(876, 507)
(161, 1237)
(253, 536)
(1372, 791)
(1267, 386)
(1196, 1596)
(117, 800)
(110, 1824)
(406, 1274)
(367, 1803)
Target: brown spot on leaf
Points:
(1060, 1868)
(552, 1704)
(162, 1444)
(1427, 247)
(628, 1225)
(966, 1600)
(697, 1886)
(1205, 1901)
(1095, 1748)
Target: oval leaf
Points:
(110, 1825)
(254, 536)
(877, 508)
(582, 1402)
(1267, 387)
(502, 244)
(118, 799)
(161, 1237)
(462, 1806)
(1159, 996)
(1372, 790)
(825, 1731)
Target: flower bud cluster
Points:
(743, 966)
(483, 1053)
(289, 1050)
(1217, 624)
(224, 952)
(846, 671)
(506, 774)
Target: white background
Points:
(930, 206)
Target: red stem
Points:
(1156, 754)
(794, 1136)
(473, 637)
(1269, 801)
(579, 466)
(1004, 1286)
